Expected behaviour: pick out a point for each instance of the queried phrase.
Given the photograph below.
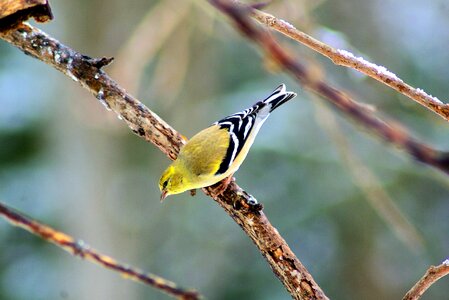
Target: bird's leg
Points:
(218, 188)
(193, 192)
(250, 203)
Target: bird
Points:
(217, 152)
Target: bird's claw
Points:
(219, 188)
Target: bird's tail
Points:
(278, 97)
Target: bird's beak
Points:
(163, 195)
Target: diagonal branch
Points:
(347, 59)
(146, 124)
(390, 132)
(80, 249)
(433, 274)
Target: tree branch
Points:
(80, 249)
(390, 132)
(347, 59)
(432, 275)
(152, 128)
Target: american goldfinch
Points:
(216, 152)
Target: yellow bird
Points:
(217, 152)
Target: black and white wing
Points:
(243, 126)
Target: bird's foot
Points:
(193, 192)
(219, 188)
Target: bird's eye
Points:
(164, 185)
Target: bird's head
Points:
(171, 182)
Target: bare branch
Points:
(432, 275)
(347, 59)
(84, 70)
(152, 128)
(80, 249)
(390, 132)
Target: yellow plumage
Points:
(218, 151)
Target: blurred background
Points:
(363, 217)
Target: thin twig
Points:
(152, 128)
(432, 275)
(82, 250)
(347, 59)
(389, 131)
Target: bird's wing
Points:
(243, 126)
(239, 126)
(204, 152)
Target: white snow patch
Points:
(286, 24)
(381, 70)
(71, 75)
(100, 97)
(57, 57)
(69, 69)
(294, 273)
(421, 92)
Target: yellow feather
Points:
(205, 151)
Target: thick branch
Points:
(88, 73)
(347, 59)
(80, 249)
(152, 128)
(390, 132)
(432, 275)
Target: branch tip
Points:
(98, 62)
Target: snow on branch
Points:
(345, 58)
